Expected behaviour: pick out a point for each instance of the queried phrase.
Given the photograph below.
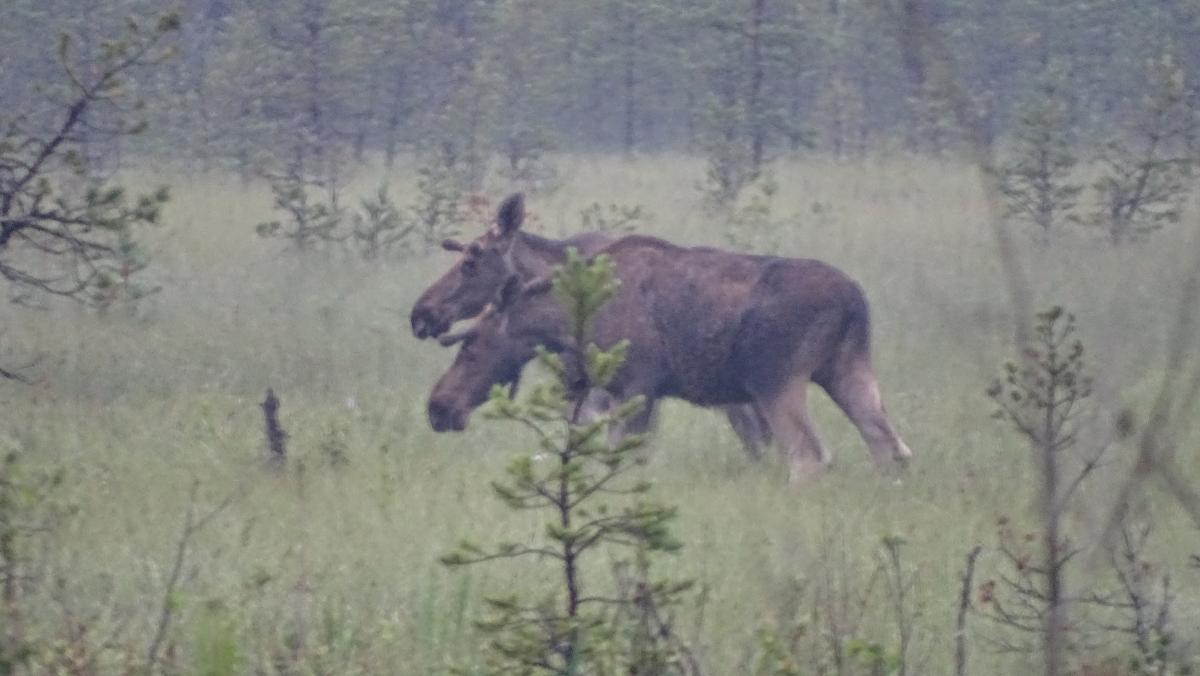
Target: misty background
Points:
(219, 199)
(475, 79)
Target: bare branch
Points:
(1155, 449)
(192, 525)
(964, 605)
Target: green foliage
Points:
(825, 633)
(31, 508)
(595, 509)
(1036, 179)
(65, 229)
(776, 652)
(729, 167)
(933, 128)
(1137, 606)
(583, 286)
(527, 164)
(215, 641)
(753, 226)
(618, 219)
(1045, 400)
(1040, 396)
(1127, 617)
(872, 658)
(128, 409)
(1144, 181)
(741, 81)
(748, 51)
(118, 280)
(311, 223)
(334, 446)
(380, 227)
(438, 213)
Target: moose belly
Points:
(704, 381)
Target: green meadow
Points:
(329, 565)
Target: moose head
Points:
(484, 265)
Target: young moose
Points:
(506, 250)
(707, 326)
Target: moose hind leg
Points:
(751, 428)
(856, 392)
(786, 413)
(642, 421)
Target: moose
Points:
(505, 250)
(711, 327)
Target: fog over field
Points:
(203, 201)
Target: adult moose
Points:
(707, 326)
(505, 251)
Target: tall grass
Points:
(335, 563)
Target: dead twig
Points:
(192, 525)
(964, 605)
(16, 373)
(1176, 400)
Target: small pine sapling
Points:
(1036, 180)
(1043, 397)
(1138, 606)
(753, 225)
(729, 167)
(597, 510)
(438, 212)
(380, 228)
(310, 223)
(1144, 181)
(1045, 400)
(65, 229)
(120, 280)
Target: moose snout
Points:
(426, 323)
(443, 416)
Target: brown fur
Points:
(506, 250)
(486, 263)
(707, 326)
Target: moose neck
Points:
(533, 256)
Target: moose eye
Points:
(469, 267)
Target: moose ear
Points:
(453, 245)
(508, 292)
(511, 214)
(536, 287)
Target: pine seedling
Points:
(1036, 180)
(597, 509)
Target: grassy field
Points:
(331, 566)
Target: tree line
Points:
(473, 80)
